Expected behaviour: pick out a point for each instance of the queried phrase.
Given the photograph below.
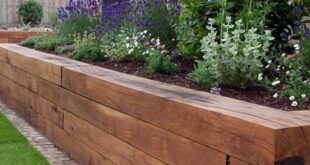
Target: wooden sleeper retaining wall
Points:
(99, 116)
(15, 36)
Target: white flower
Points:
(303, 95)
(275, 95)
(283, 54)
(292, 98)
(267, 66)
(260, 77)
(130, 51)
(276, 82)
(136, 44)
(296, 45)
(269, 62)
(127, 38)
(287, 72)
(145, 31)
(294, 103)
(127, 45)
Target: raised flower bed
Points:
(99, 116)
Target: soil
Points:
(255, 94)
(258, 95)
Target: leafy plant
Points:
(30, 12)
(158, 62)
(87, 46)
(77, 25)
(234, 57)
(49, 42)
(44, 42)
(161, 17)
(31, 41)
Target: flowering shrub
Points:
(86, 46)
(124, 44)
(154, 15)
(233, 57)
(286, 19)
(75, 8)
(292, 75)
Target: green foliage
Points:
(31, 41)
(30, 12)
(77, 25)
(158, 62)
(44, 42)
(162, 24)
(297, 74)
(194, 17)
(235, 57)
(49, 42)
(201, 74)
(87, 46)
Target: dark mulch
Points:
(256, 95)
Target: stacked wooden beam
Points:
(99, 116)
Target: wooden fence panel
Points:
(8, 10)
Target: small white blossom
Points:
(283, 54)
(130, 51)
(145, 31)
(303, 95)
(292, 98)
(275, 95)
(287, 72)
(269, 62)
(260, 77)
(294, 103)
(267, 66)
(276, 82)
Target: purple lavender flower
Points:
(297, 11)
(284, 36)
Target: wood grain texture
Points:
(106, 144)
(222, 123)
(40, 64)
(15, 36)
(160, 143)
(122, 119)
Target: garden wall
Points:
(99, 116)
(14, 36)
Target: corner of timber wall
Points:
(98, 116)
(15, 36)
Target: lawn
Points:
(15, 149)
